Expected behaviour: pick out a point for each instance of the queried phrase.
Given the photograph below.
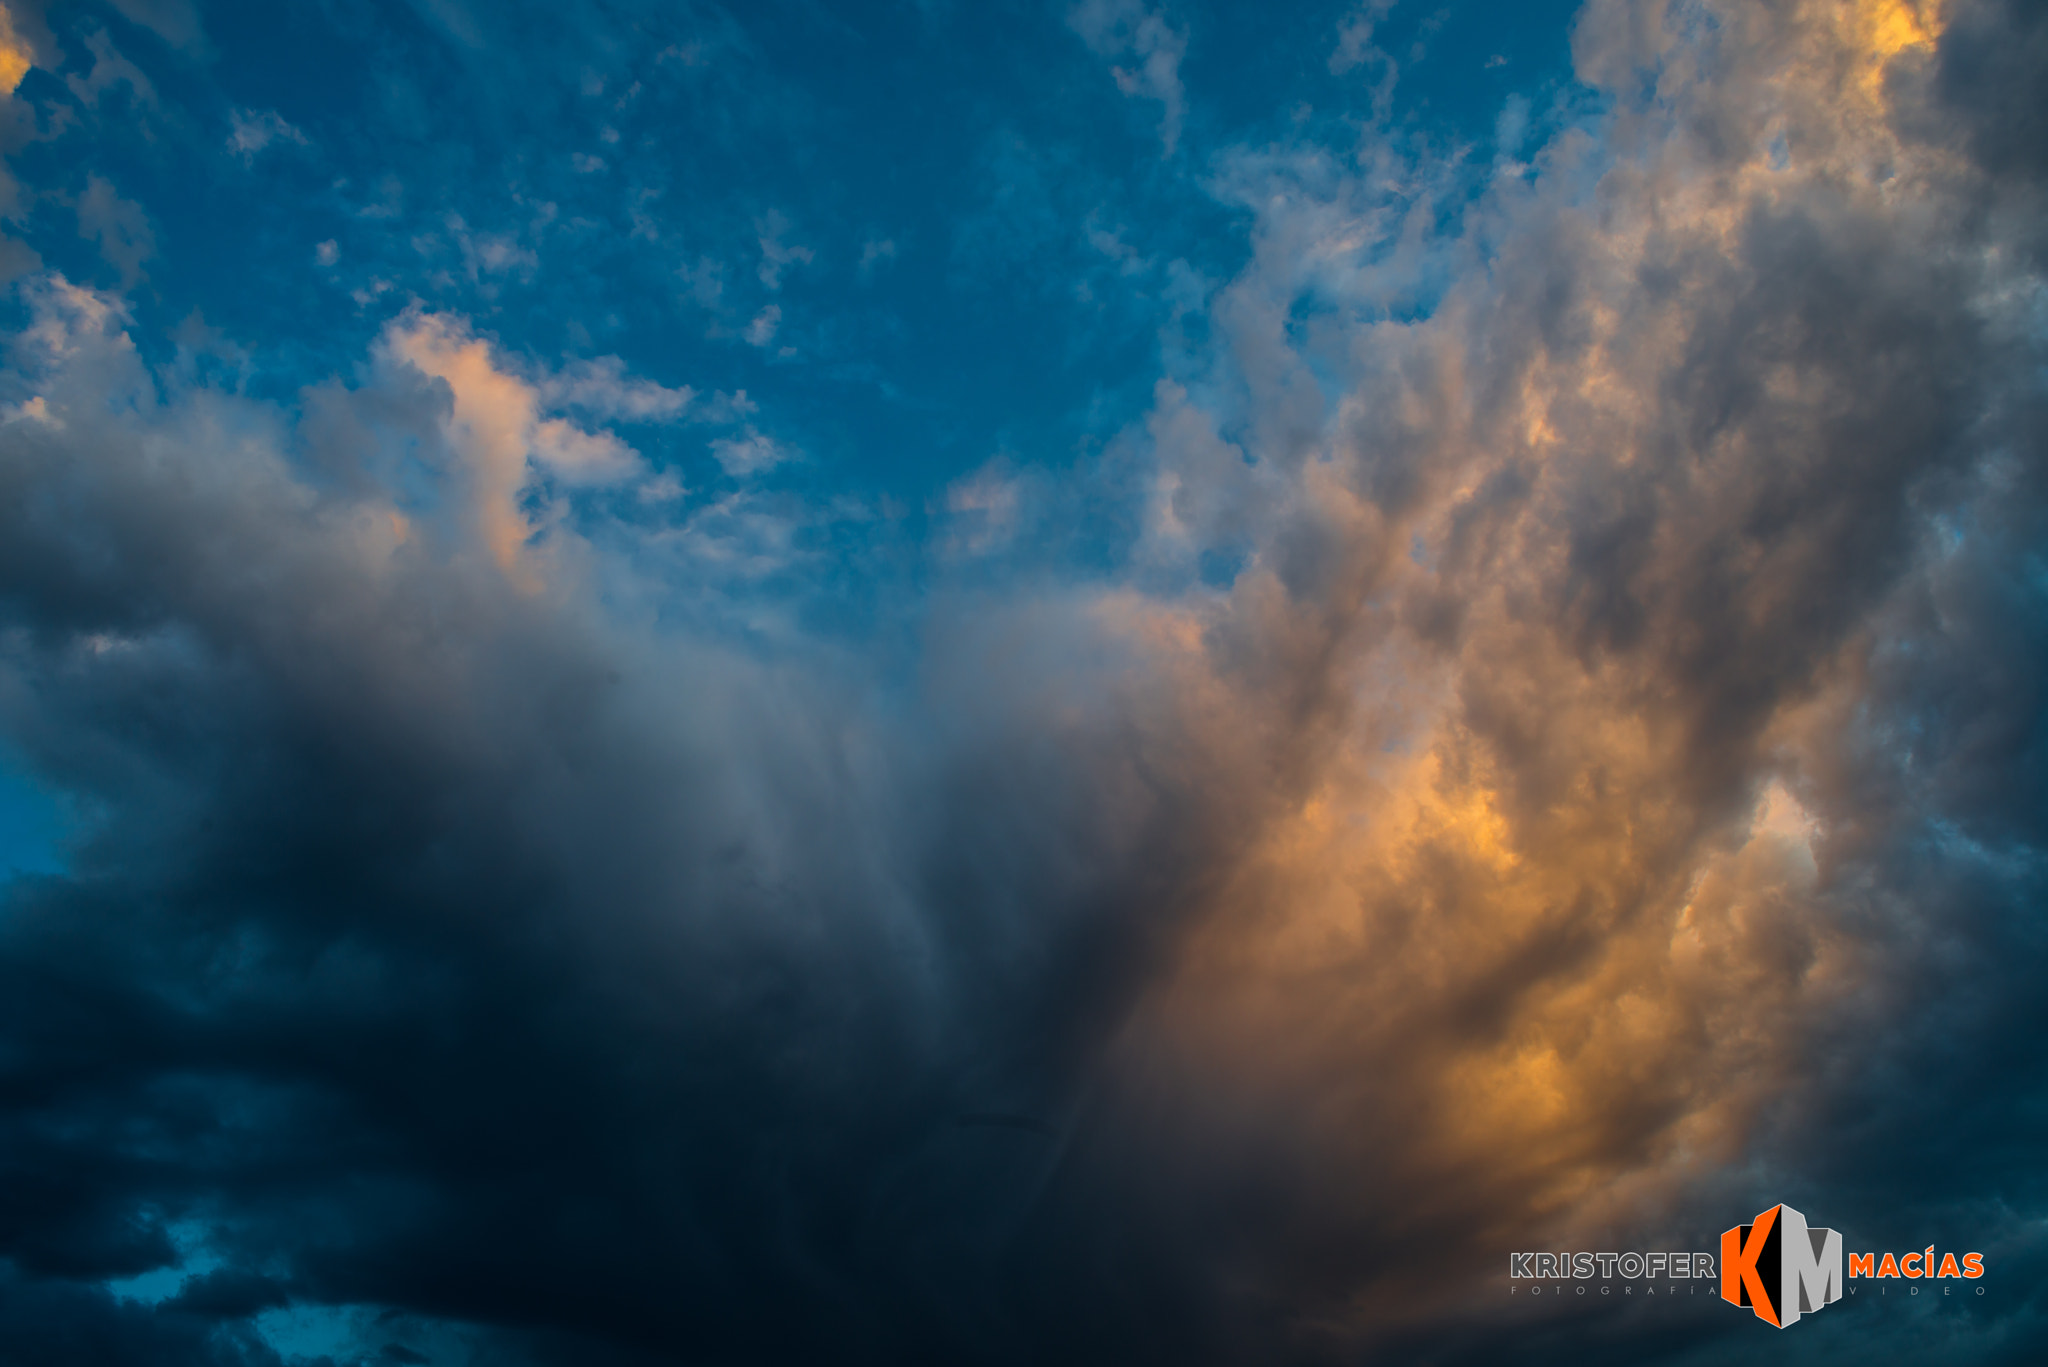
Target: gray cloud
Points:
(118, 226)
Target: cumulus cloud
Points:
(497, 425)
(1568, 617)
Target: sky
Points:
(933, 682)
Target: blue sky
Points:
(919, 237)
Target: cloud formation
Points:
(1126, 29)
(1555, 756)
(250, 131)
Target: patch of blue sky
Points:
(918, 236)
(332, 1334)
(2015, 865)
(189, 1238)
(34, 824)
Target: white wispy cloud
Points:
(750, 453)
(1128, 31)
(250, 131)
(777, 255)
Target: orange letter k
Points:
(1738, 1267)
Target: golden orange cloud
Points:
(15, 56)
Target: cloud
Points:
(1126, 29)
(602, 389)
(16, 54)
(984, 510)
(777, 255)
(746, 885)
(706, 281)
(1561, 611)
(175, 21)
(118, 226)
(455, 18)
(1354, 39)
(873, 253)
(663, 488)
(251, 131)
(497, 426)
(491, 254)
(1205, 496)
(1556, 755)
(750, 453)
(109, 69)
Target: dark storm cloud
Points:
(1988, 68)
(1609, 797)
(439, 949)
